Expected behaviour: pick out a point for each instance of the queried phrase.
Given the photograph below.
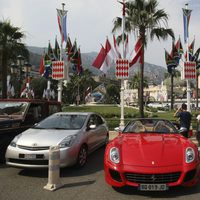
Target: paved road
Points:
(78, 184)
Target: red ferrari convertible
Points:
(152, 155)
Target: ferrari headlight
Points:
(114, 155)
(189, 155)
(68, 141)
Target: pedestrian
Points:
(185, 118)
(198, 129)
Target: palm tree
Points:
(145, 20)
(78, 85)
(10, 41)
(135, 83)
(112, 94)
(173, 74)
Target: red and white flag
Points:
(137, 58)
(111, 55)
(105, 58)
(116, 48)
(99, 59)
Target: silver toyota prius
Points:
(76, 133)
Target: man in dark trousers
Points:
(185, 119)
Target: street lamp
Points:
(27, 70)
(14, 69)
(18, 70)
(20, 63)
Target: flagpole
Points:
(122, 80)
(188, 82)
(61, 58)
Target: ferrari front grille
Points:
(152, 178)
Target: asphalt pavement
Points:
(87, 183)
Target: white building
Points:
(158, 93)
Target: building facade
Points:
(157, 93)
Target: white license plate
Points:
(153, 187)
(30, 156)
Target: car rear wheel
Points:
(82, 156)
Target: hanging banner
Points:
(58, 72)
(189, 70)
(122, 69)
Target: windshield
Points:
(12, 108)
(150, 126)
(62, 121)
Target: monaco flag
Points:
(137, 58)
(105, 58)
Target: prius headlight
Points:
(68, 141)
(189, 155)
(114, 155)
(14, 141)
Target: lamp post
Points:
(20, 63)
(14, 69)
(27, 70)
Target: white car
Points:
(77, 134)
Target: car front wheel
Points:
(82, 156)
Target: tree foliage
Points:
(78, 84)
(12, 46)
(112, 94)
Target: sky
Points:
(91, 21)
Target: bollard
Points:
(54, 169)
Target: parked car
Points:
(17, 115)
(152, 155)
(77, 134)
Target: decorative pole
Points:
(61, 58)
(122, 80)
(62, 15)
(187, 48)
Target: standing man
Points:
(185, 119)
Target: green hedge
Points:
(112, 114)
